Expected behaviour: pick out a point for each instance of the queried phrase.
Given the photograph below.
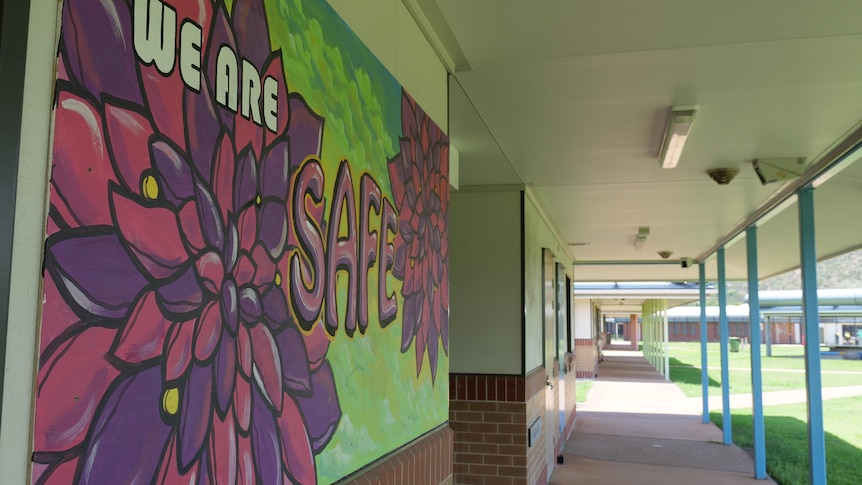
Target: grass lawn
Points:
(786, 428)
(582, 387)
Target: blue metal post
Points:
(756, 381)
(724, 337)
(811, 319)
(704, 337)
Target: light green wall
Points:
(537, 235)
(485, 282)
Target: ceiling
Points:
(571, 99)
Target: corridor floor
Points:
(637, 428)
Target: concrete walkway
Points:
(635, 427)
(774, 398)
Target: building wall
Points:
(131, 374)
(485, 265)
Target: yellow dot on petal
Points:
(257, 200)
(171, 400)
(277, 278)
(150, 187)
(412, 262)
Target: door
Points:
(550, 349)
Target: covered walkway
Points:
(635, 427)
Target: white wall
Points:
(537, 235)
(485, 282)
(582, 318)
(30, 207)
(389, 31)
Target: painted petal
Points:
(57, 315)
(294, 361)
(322, 410)
(202, 128)
(70, 385)
(305, 132)
(264, 274)
(210, 217)
(129, 140)
(433, 350)
(252, 34)
(244, 271)
(205, 465)
(198, 11)
(250, 307)
(317, 344)
(94, 274)
(275, 69)
(182, 295)
(222, 451)
(225, 373)
(248, 134)
(242, 404)
(221, 34)
(231, 246)
(143, 336)
(230, 305)
(169, 473)
(97, 37)
(422, 331)
(81, 168)
(275, 308)
(267, 366)
(275, 170)
(196, 414)
(410, 320)
(210, 269)
(245, 180)
(273, 227)
(152, 235)
(247, 228)
(243, 351)
(175, 173)
(164, 94)
(179, 350)
(265, 443)
(130, 410)
(59, 474)
(396, 179)
(409, 116)
(223, 173)
(296, 449)
(190, 226)
(245, 462)
(207, 332)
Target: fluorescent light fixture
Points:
(678, 127)
(640, 240)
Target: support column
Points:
(724, 338)
(633, 331)
(758, 432)
(811, 321)
(666, 342)
(704, 337)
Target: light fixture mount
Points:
(640, 239)
(679, 125)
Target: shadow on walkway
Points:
(635, 427)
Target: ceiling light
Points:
(640, 240)
(678, 127)
(722, 176)
(665, 254)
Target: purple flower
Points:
(420, 185)
(169, 346)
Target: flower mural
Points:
(420, 185)
(169, 352)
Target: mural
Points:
(246, 256)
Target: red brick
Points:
(483, 427)
(483, 406)
(484, 448)
(517, 450)
(483, 470)
(498, 460)
(512, 407)
(455, 405)
(511, 428)
(468, 416)
(511, 393)
(492, 388)
(498, 417)
(500, 439)
(512, 471)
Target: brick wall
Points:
(571, 403)
(586, 358)
(489, 416)
(425, 461)
(536, 458)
